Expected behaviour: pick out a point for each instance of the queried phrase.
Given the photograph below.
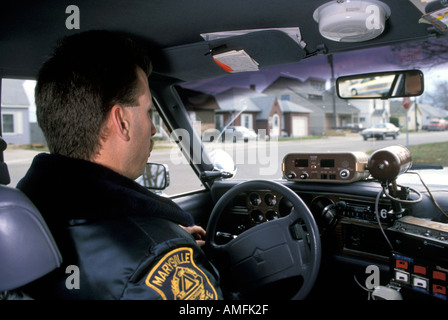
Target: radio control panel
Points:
(344, 167)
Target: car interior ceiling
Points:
(171, 30)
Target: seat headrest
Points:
(4, 173)
(27, 248)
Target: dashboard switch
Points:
(303, 176)
(420, 270)
(421, 283)
(401, 264)
(438, 275)
(436, 288)
(402, 276)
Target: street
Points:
(254, 160)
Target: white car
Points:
(237, 133)
(381, 131)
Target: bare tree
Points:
(428, 55)
(437, 95)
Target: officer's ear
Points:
(119, 121)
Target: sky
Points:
(367, 60)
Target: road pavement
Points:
(255, 160)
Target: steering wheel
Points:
(271, 251)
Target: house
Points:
(326, 111)
(236, 108)
(15, 112)
(414, 115)
(338, 112)
(288, 88)
(372, 111)
(259, 111)
(201, 108)
(429, 112)
(295, 121)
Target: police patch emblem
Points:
(176, 277)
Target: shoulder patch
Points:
(176, 277)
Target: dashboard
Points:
(407, 239)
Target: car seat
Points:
(27, 248)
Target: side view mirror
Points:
(382, 85)
(155, 177)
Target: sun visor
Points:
(197, 60)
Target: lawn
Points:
(431, 153)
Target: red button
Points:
(439, 275)
(401, 264)
(420, 270)
(437, 288)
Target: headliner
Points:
(29, 29)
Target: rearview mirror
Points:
(381, 85)
(155, 177)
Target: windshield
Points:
(294, 108)
(257, 118)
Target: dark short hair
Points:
(86, 76)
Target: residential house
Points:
(372, 111)
(429, 112)
(236, 108)
(201, 108)
(15, 112)
(411, 118)
(326, 111)
(295, 121)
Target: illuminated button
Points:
(420, 283)
(439, 275)
(402, 276)
(401, 264)
(420, 270)
(437, 288)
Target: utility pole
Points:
(333, 91)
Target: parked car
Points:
(437, 125)
(381, 131)
(230, 133)
(353, 127)
(238, 133)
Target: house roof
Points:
(291, 107)
(304, 88)
(13, 93)
(264, 104)
(432, 112)
(237, 99)
(342, 106)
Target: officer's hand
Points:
(197, 232)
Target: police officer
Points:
(94, 107)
